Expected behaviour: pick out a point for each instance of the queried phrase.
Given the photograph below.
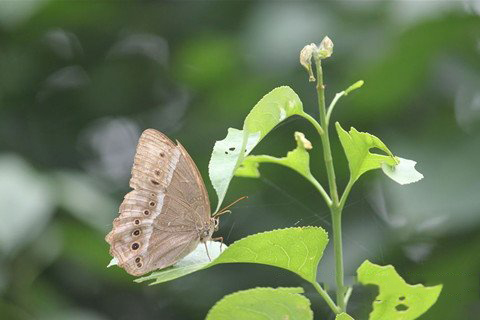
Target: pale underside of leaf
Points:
(404, 172)
(263, 304)
(397, 300)
(295, 249)
(228, 154)
(196, 260)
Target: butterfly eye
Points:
(139, 265)
(135, 246)
(137, 221)
(162, 154)
(146, 212)
(152, 203)
(155, 182)
(136, 232)
(137, 260)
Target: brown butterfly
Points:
(167, 214)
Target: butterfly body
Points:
(167, 214)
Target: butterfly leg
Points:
(221, 241)
(206, 248)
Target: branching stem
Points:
(335, 208)
(326, 297)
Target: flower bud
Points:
(302, 141)
(325, 49)
(306, 59)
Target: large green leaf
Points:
(297, 159)
(261, 304)
(397, 300)
(228, 154)
(296, 249)
(357, 147)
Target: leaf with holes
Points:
(357, 147)
(228, 154)
(295, 249)
(263, 303)
(297, 159)
(397, 300)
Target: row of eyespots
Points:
(138, 262)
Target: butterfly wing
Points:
(159, 220)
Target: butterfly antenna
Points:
(225, 209)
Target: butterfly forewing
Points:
(159, 220)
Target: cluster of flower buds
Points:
(323, 51)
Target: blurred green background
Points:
(79, 81)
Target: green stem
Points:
(326, 297)
(335, 207)
(313, 122)
(345, 194)
(332, 105)
(309, 177)
(320, 189)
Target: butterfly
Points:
(167, 214)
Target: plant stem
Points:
(332, 105)
(346, 192)
(320, 189)
(335, 208)
(313, 122)
(326, 297)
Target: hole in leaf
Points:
(401, 298)
(401, 307)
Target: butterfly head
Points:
(206, 232)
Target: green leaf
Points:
(295, 249)
(297, 159)
(228, 154)
(357, 147)
(343, 316)
(397, 300)
(261, 304)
